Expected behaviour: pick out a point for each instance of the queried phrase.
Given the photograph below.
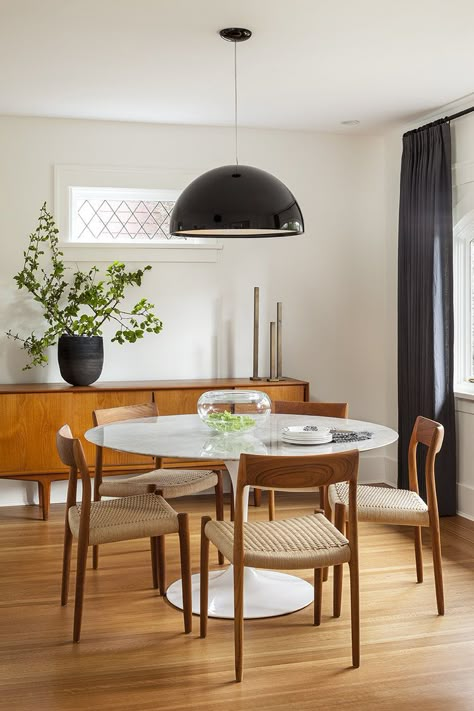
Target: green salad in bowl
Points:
(234, 411)
(227, 422)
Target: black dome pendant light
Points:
(236, 200)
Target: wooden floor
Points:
(133, 655)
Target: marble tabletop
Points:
(188, 437)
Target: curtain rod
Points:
(459, 114)
(440, 121)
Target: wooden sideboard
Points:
(31, 414)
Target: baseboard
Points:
(465, 501)
(377, 469)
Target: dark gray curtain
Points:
(425, 302)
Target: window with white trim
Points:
(464, 294)
(471, 374)
(106, 214)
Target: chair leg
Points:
(204, 578)
(82, 546)
(185, 554)
(232, 505)
(318, 594)
(324, 504)
(257, 497)
(239, 619)
(154, 560)
(437, 566)
(219, 509)
(271, 505)
(161, 564)
(66, 564)
(322, 499)
(97, 497)
(340, 517)
(418, 555)
(355, 622)
(95, 557)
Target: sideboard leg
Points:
(44, 490)
(40, 496)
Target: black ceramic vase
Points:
(80, 358)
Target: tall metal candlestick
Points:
(279, 347)
(272, 377)
(256, 307)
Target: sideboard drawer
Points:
(178, 402)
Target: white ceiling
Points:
(310, 64)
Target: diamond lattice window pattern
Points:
(137, 221)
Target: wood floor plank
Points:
(133, 655)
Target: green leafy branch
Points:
(81, 306)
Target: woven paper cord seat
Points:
(303, 542)
(172, 483)
(383, 505)
(129, 517)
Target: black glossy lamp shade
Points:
(236, 201)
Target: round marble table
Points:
(266, 593)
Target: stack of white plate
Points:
(306, 435)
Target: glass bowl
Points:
(233, 411)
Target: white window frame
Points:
(463, 233)
(147, 182)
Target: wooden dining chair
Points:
(93, 522)
(309, 541)
(169, 483)
(401, 507)
(313, 409)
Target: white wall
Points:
(332, 281)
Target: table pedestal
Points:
(267, 593)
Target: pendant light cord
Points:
(235, 104)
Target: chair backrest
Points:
(431, 434)
(125, 412)
(72, 455)
(319, 409)
(309, 471)
(300, 472)
(116, 414)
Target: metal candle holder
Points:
(276, 347)
(256, 306)
(279, 373)
(273, 376)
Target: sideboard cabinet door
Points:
(178, 402)
(28, 422)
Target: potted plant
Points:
(76, 309)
